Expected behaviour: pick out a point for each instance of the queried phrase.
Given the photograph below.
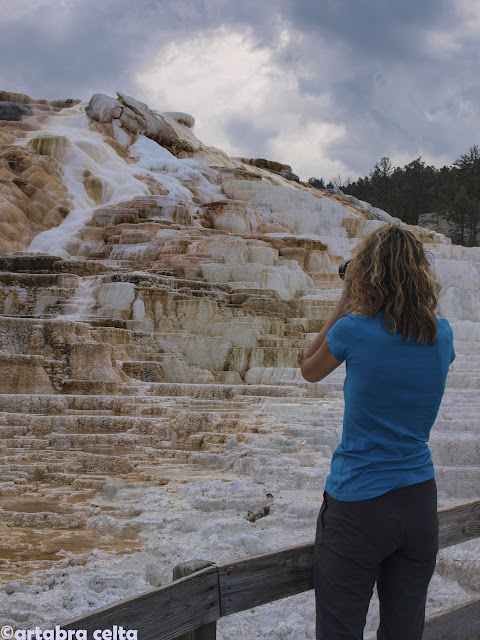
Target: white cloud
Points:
(49, 16)
(208, 75)
(470, 10)
(442, 43)
(303, 146)
(223, 76)
(12, 12)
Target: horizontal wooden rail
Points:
(458, 623)
(161, 614)
(186, 604)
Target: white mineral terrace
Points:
(152, 409)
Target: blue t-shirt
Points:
(392, 393)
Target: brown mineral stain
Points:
(30, 505)
(23, 552)
(50, 145)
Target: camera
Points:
(342, 268)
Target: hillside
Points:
(157, 299)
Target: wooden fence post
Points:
(206, 631)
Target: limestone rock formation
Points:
(235, 216)
(33, 197)
(22, 373)
(135, 116)
(157, 300)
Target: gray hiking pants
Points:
(391, 540)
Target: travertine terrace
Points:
(157, 299)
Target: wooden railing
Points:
(188, 608)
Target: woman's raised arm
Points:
(319, 360)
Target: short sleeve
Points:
(450, 338)
(339, 336)
(452, 352)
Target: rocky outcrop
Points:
(156, 127)
(103, 108)
(135, 116)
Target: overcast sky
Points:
(327, 86)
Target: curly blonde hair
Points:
(389, 272)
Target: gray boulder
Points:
(133, 115)
(157, 128)
(289, 175)
(103, 108)
(14, 111)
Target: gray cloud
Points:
(401, 77)
(243, 134)
(372, 29)
(399, 85)
(76, 47)
(72, 50)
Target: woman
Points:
(378, 521)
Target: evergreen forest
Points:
(453, 193)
